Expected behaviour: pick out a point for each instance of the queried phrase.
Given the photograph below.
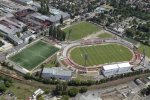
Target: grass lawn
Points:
(147, 49)
(105, 35)
(81, 30)
(22, 91)
(34, 55)
(52, 62)
(101, 54)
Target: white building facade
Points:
(114, 69)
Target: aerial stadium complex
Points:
(107, 56)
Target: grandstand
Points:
(114, 69)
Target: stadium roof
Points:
(123, 65)
(116, 66)
(109, 67)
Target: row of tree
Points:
(85, 82)
(44, 9)
(57, 33)
(62, 89)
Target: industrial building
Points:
(57, 72)
(114, 69)
(11, 27)
(34, 20)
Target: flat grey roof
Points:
(15, 38)
(55, 18)
(57, 71)
(26, 34)
(24, 0)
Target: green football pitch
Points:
(81, 30)
(33, 55)
(100, 54)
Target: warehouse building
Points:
(114, 69)
(11, 27)
(57, 72)
(34, 20)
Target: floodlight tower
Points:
(69, 35)
(142, 62)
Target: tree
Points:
(24, 29)
(65, 97)
(57, 33)
(54, 32)
(2, 88)
(18, 34)
(30, 40)
(83, 89)
(44, 9)
(60, 89)
(63, 36)
(27, 76)
(61, 20)
(7, 84)
(51, 31)
(73, 92)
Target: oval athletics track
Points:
(82, 69)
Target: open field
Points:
(147, 49)
(34, 55)
(105, 35)
(22, 91)
(100, 54)
(81, 30)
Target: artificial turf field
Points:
(100, 54)
(33, 55)
(81, 30)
